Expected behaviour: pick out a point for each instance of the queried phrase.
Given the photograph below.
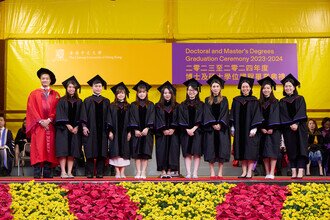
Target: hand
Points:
(294, 127)
(145, 132)
(138, 133)
(264, 131)
(190, 132)
(110, 136)
(270, 131)
(216, 127)
(171, 131)
(75, 130)
(232, 131)
(70, 128)
(283, 148)
(129, 135)
(166, 132)
(253, 132)
(85, 131)
(45, 123)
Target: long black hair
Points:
(75, 95)
(162, 99)
(262, 99)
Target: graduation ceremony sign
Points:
(177, 62)
(231, 61)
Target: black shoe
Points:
(99, 176)
(36, 177)
(89, 176)
(241, 177)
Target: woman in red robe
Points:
(40, 116)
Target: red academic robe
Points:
(39, 107)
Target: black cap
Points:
(73, 79)
(292, 79)
(143, 84)
(243, 79)
(47, 71)
(193, 83)
(120, 85)
(216, 78)
(267, 80)
(97, 79)
(168, 85)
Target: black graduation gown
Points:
(245, 115)
(95, 114)
(66, 143)
(119, 146)
(270, 144)
(216, 143)
(142, 117)
(167, 147)
(191, 114)
(20, 139)
(293, 110)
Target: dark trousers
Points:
(44, 168)
(99, 166)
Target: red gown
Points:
(39, 107)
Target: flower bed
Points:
(187, 201)
(5, 201)
(39, 201)
(100, 201)
(258, 201)
(165, 200)
(310, 201)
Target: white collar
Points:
(45, 88)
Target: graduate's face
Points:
(192, 93)
(142, 94)
(215, 88)
(121, 95)
(2, 122)
(97, 88)
(327, 125)
(71, 89)
(167, 94)
(267, 90)
(311, 125)
(45, 80)
(288, 88)
(245, 88)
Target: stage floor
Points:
(281, 180)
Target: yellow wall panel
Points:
(84, 19)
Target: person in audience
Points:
(6, 148)
(20, 140)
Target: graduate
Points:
(68, 130)
(142, 118)
(6, 148)
(96, 121)
(190, 121)
(294, 127)
(40, 121)
(216, 126)
(270, 128)
(245, 117)
(167, 138)
(119, 145)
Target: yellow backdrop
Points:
(30, 26)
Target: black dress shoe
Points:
(89, 176)
(248, 177)
(241, 177)
(99, 176)
(36, 177)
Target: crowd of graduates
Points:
(61, 129)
